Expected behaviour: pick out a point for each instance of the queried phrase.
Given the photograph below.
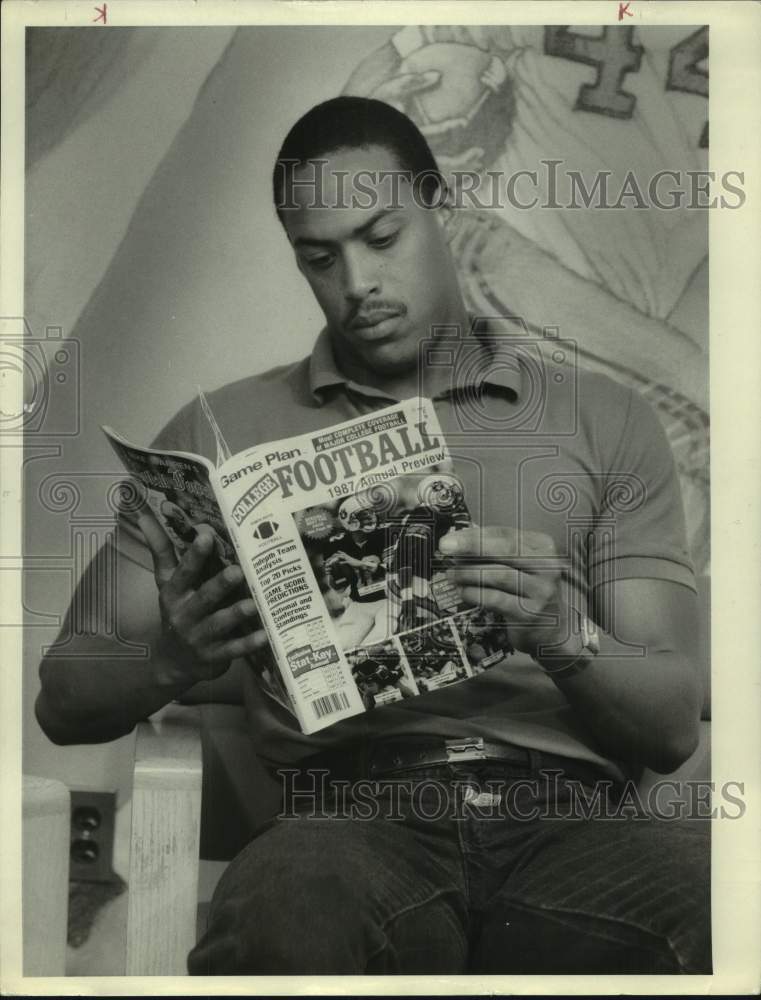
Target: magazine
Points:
(337, 533)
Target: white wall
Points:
(160, 252)
(81, 195)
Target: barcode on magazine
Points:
(329, 704)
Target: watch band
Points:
(590, 647)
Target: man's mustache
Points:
(370, 313)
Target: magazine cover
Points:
(339, 535)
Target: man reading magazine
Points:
(480, 825)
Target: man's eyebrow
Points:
(359, 231)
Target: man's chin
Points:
(384, 348)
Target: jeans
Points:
(485, 866)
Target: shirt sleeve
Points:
(640, 531)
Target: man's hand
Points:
(207, 622)
(643, 707)
(517, 574)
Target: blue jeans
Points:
(480, 867)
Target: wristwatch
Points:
(574, 663)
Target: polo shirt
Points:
(540, 444)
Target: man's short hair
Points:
(357, 123)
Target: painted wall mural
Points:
(578, 158)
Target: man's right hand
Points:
(206, 621)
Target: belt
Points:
(387, 757)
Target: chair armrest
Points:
(45, 875)
(165, 837)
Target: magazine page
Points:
(338, 533)
(179, 488)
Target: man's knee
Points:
(331, 900)
(638, 892)
(278, 917)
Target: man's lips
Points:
(374, 318)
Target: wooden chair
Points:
(45, 875)
(165, 839)
(199, 793)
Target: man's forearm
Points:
(641, 709)
(98, 698)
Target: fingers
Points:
(204, 624)
(513, 608)
(522, 593)
(514, 573)
(201, 617)
(494, 575)
(247, 644)
(221, 636)
(215, 627)
(474, 542)
(215, 593)
(189, 574)
(231, 649)
(527, 550)
(161, 549)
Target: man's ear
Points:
(447, 218)
(445, 210)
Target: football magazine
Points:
(337, 533)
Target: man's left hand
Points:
(516, 574)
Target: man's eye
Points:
(383, 241)
(321, 263)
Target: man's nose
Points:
(360, 277)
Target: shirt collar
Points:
(494, 361)
(323, 371)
